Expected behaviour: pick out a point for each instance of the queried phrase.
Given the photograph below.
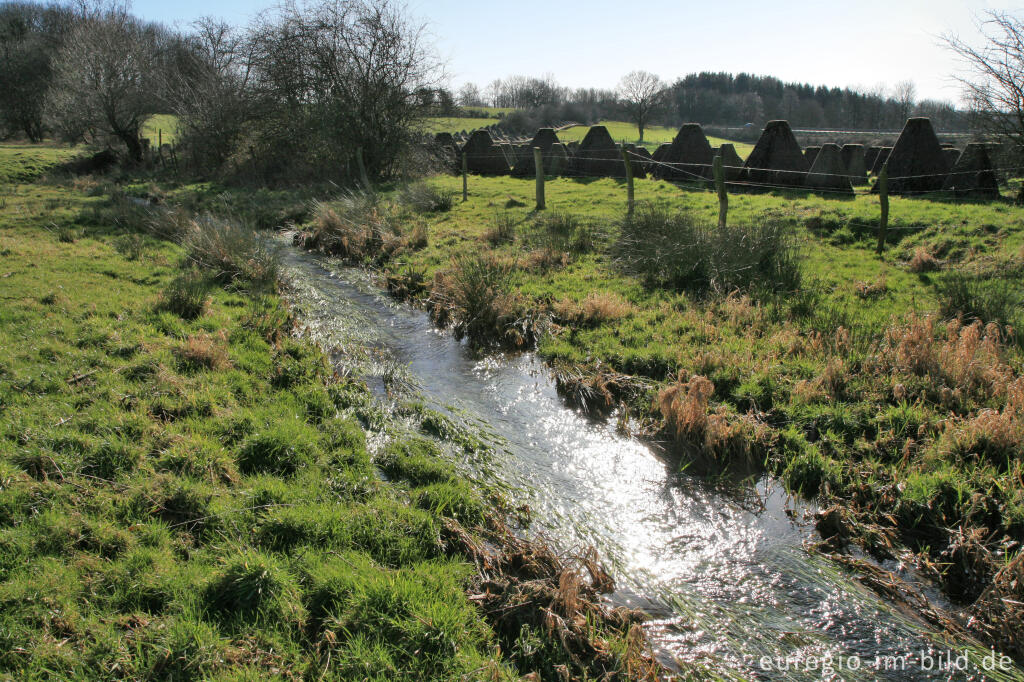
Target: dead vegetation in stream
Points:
(545, 607)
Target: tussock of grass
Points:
(424, 197)
(715, 434)
(477, 299)
(681, 251)
(231, 253)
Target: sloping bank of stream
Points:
(723, 574)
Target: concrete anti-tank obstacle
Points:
(598, 156)
(776, 158)
(853, 160)
(811, 153)
(732, 164)
(829, 172)
(483, 156)
(916, 163)
(973, 175)
(690, 156)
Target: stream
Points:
(722, 573)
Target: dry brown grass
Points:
(204, 351)
(597, 308)
(605, 306)
(997, 435)
(713, 433)
(543, 260)
(829, 385)
(358, 227)
(923, 261)
(969, 360)
(999, 611)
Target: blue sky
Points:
(861, 43)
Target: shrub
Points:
(186, 295)
(679, 251)
(423, 197)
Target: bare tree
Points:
(104, 79)
(905, 95)
(340, 76)
(469, 96)
(994, 86)
(641, 93)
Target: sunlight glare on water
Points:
(722, 573)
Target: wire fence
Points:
(689, 169)
(711, 177)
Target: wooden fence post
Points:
(538, 162)
(883, 198)
(629, 181)
(465, 185)
(723, 197)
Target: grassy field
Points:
(167, 124)
(839, 371)
(488, 112)
(455, 124)
(653, 136)
(21, 163)
(187, 491)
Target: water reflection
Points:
(725, 581)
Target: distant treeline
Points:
(727, 99)
(721, 99)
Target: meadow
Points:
(187, 488)
(889, 388)
(622, 131)
(161, 126)
(619, 130)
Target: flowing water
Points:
(722, 573)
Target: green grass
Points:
(187, 491)
(850, 387)
(24, 162)
(653, 136)
(165, 124)
(451, 124)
